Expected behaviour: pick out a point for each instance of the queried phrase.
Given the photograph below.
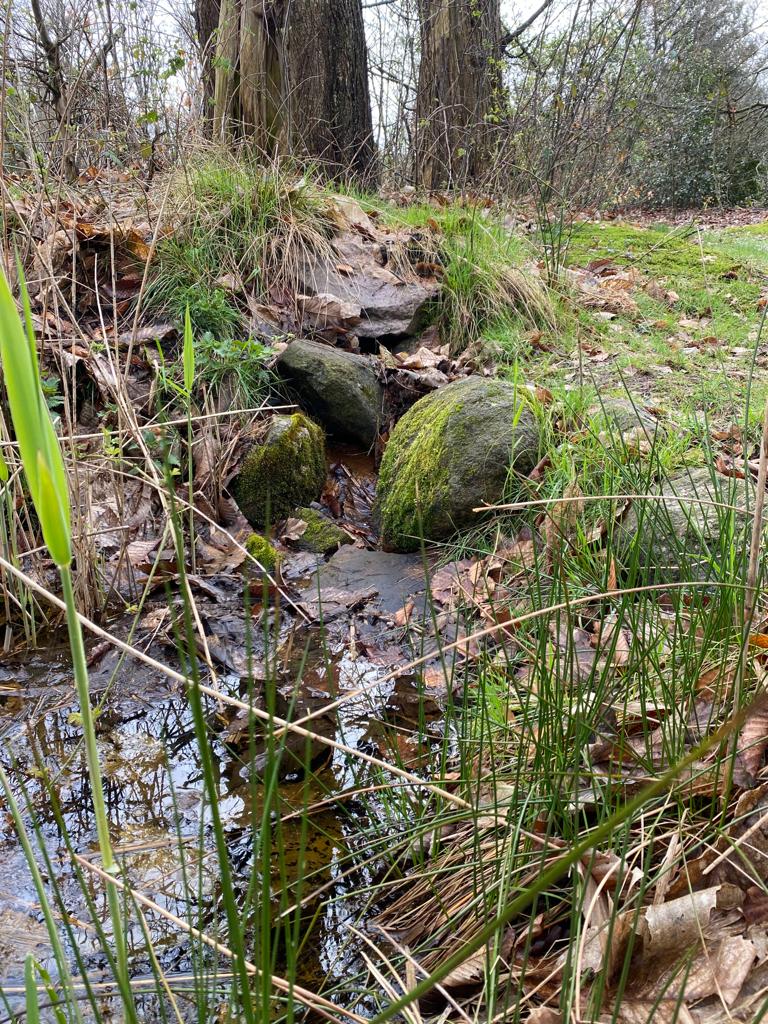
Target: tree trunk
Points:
(330, 108)
(249, 85)
(460, 90)
(206, 23)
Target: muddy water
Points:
(153, 778)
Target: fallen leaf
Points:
(751, 746)
(422, 359)
(403, 615)
(326, 310)
(611, 584)
(294, 529)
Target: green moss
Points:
(658, 250)
(414, 475)
(286, 471)
(266, 555)
(460, 447)
(321, 535)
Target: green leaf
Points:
(53, 516)
(189, 354)
(3, 471)
(38, 443)
(30, 991)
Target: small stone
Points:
(685, 533)
(389, 305)
(321, 535)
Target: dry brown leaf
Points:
(294, 529)
(422, 359)
(545, 1015)
(326, 310)
(611, 584)
(677, 924)
(752, 744)
(434, 677)
(219, 553)
(475, 966)
(721, 970)
(138, 551)
(403, 615)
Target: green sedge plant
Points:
(46, 478)
(188, 362)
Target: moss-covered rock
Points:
(266, 555)
(340, 388)
(287, 470)
(698, 528)
(321, 535)
(452, 451)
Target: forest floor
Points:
(476, 709)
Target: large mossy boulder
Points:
(696, 526)
(341, 389)
(452, 451)
(286, 470)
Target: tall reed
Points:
(46, 477)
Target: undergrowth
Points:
(487, 273)
(240, 229)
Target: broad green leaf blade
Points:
(21, 385)
(53, 516)
(38, 444)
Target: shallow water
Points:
(154, 783)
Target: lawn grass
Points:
(701, 370)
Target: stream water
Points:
(153, 777)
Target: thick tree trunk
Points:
(330, 108)
(249, 87)
(206, 23)
(460, 90)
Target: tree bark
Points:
(249, 82)
(460, 90)
(206, 23)
(330, 107)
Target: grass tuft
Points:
(240, 229)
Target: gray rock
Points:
(620, 421)
(393, 579)
(340, 389)
(684, 534)
(388, 305)
(452, 451)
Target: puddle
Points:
(153, 780)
